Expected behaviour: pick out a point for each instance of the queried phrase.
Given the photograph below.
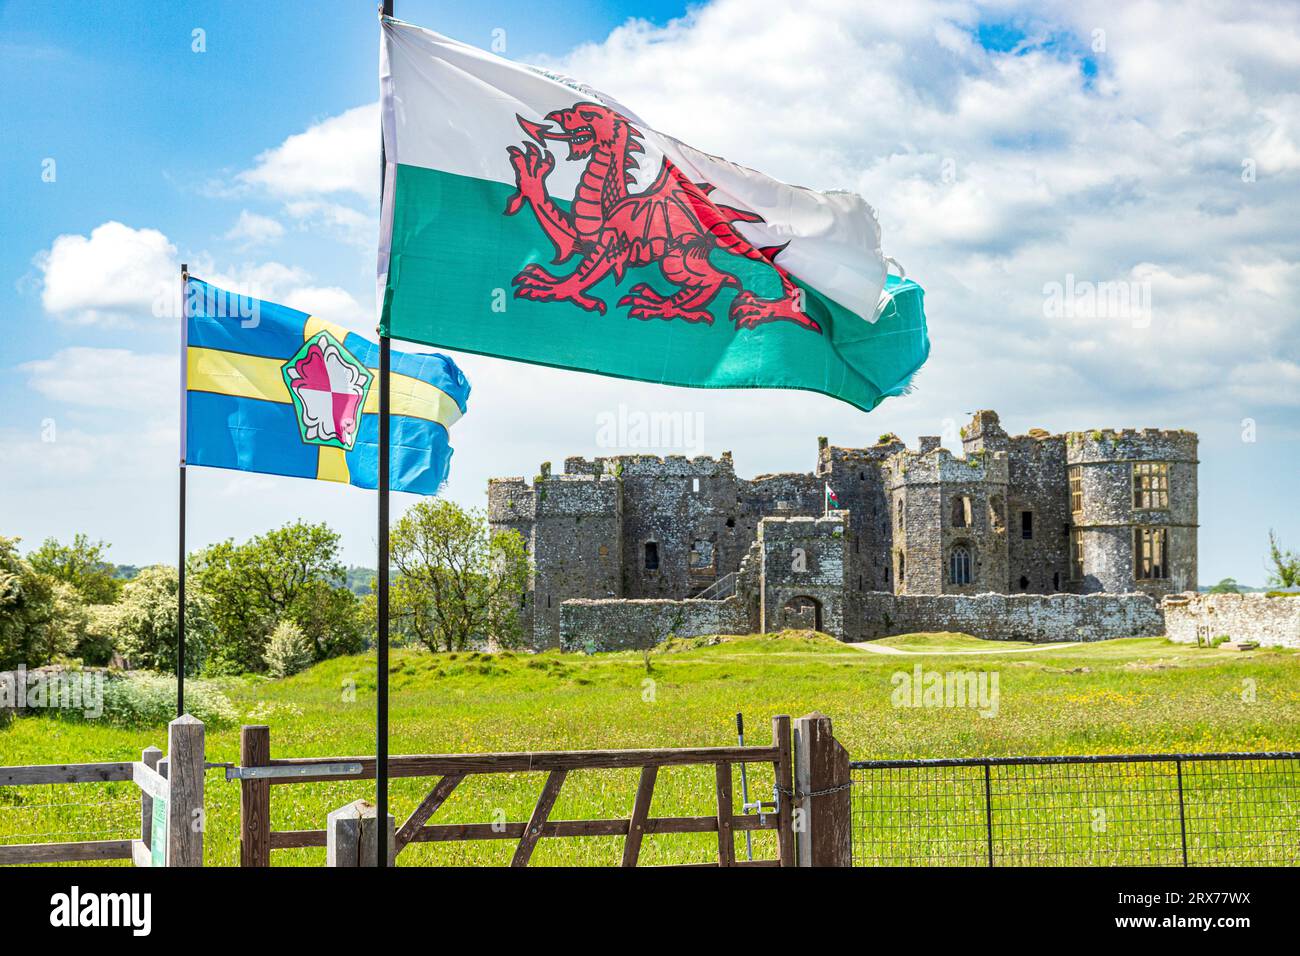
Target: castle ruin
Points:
(1037, 536)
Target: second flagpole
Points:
(381, 602)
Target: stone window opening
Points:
(1024, 583)
(1151, 485)
(959, 565)
(1076, 555)
(961, 511)
(1076, 489)
(900, 514)
(1151, 553)
(1027, 525)
(731, 522)
(695, 486)
(652, 556)
(902, 567)
(701, 553)
(1056, 580)
(995, 513)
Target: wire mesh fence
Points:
(1130, 810)
(69, 813)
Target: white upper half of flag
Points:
(452, 107)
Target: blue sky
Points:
(1004, 151)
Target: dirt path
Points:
(875, 648)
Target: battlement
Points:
(829, 456)
(1136, 444)
(938, 464)
(803, 526)
(651, 466)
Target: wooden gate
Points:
(260, 772)
(171, 804)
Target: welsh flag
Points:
(832, 499)
(530, 217)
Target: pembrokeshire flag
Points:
(271, 389)
(530, 217)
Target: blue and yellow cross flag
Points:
(274, 390)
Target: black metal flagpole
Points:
(180, 561)
(381, 637)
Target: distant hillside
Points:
(359, 580)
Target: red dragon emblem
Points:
(672, 223)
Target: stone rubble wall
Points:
(621, 625)
(1271, 621)
(1013, 617)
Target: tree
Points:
(292, 573)
(31, 632)
(143, 622)
(1286, 564)
(81, 564)
(459, 583)
(1226, 586)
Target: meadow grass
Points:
(1123, 696)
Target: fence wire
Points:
(1147, 810)
(69, 813)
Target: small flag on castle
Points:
(832, 499)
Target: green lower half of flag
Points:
(454, 261)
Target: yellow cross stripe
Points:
(415, 398)
(332, 464)
(229, 373)
(254, 376)
(315, 326)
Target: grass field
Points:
(1124, 696)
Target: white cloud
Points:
(106, 378)
(113, 276)
(338, 155)
(254, 230)
(343, 222)
(1132, 174)
(119, 274)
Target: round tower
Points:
(1133, 516)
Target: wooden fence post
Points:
(785, 787)
(185, 821)
(351, 835)
(149, 757)
(254, 798)
(823, 806)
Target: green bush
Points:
(143, 699)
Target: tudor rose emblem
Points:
(328, 386)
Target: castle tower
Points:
(949, 520)
(680, 527)
(1133, 508)
(573, 524)
(1037, 504)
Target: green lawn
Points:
(1125, 696)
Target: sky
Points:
(1020, 156)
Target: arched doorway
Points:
(802, 613)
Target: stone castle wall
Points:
(621, 625)
(1013, 617)
(1271, 621)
